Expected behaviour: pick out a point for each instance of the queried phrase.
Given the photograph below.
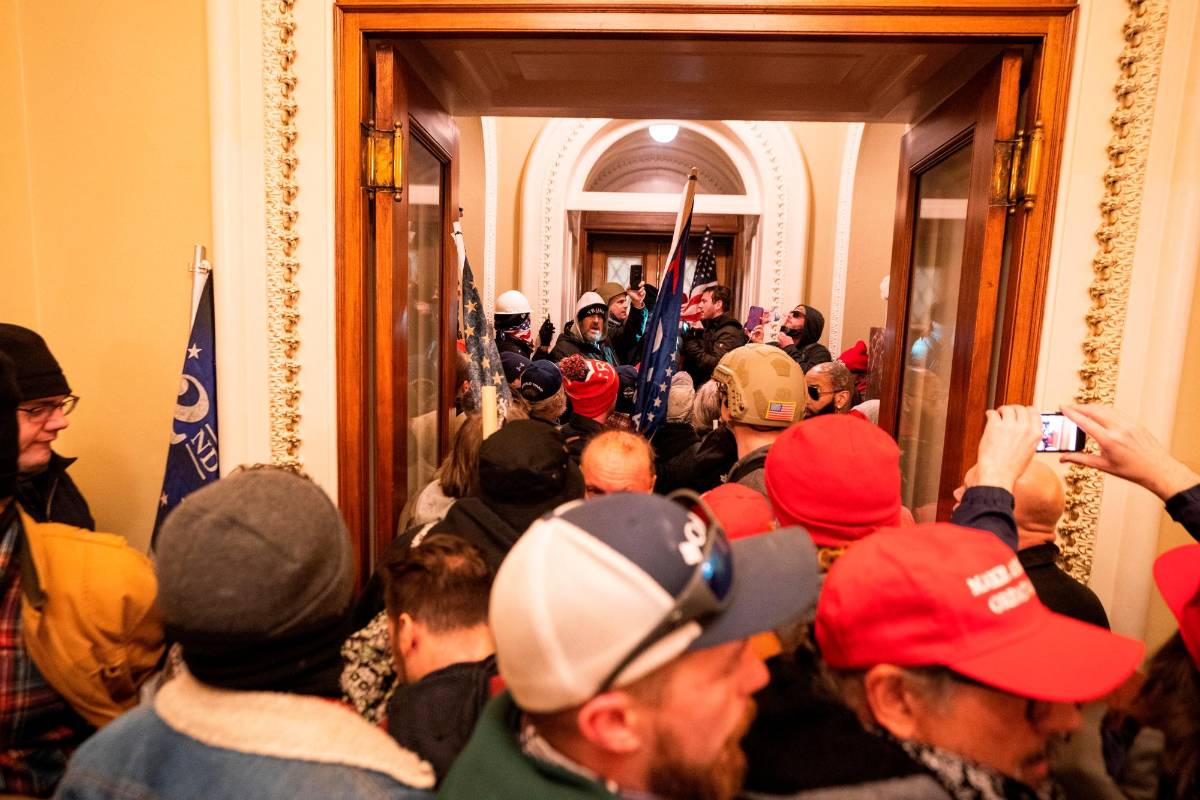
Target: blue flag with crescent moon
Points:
(192, 456)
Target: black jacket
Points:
(625, 338)
(699, 467)
(1057, 590)
(571, 343)
(51, 495)
(988, 508)
(703, 349)
(808, 350)
(671, 439)
(577, 431)
(804, 739)
(1184, 508)
(511, 344)
(435, 716)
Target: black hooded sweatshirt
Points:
(808, 350)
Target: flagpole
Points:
(200, 269)
(688, 198)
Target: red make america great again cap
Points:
(941, 595)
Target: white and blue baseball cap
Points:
(600, 593)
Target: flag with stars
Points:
(192, 456)
(662, 330)
(480, 339)
(705, 277)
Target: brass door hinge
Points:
(1016, 168)
(383, 170)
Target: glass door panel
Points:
(929, 341)
(423, 316)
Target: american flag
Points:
(662, 331)
(480, 339)
(705, 277)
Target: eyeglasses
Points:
(42, 411)
(704, 595)
(817, 394)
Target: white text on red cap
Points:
(998, 577)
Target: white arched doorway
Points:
(769, 165)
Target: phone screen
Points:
(1060, 435)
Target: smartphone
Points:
(1060, 435)
(755, 319)
(635, 276)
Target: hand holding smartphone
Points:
(635, 276)
(755, 319)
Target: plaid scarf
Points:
(38, 729)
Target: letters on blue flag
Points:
(192, 456)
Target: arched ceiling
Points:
(637, 163)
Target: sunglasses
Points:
(707, 591)
(817, 394)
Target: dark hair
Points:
(1170, 701)
(723, 294)
(442, 582)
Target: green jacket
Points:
(493, 766)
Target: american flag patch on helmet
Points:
(781, 411)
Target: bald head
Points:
(1038, 504)
(617, 461)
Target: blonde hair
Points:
(457, 473)
(547, 410)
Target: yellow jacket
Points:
(88, 616)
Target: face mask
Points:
(524, 331)
(792, 333)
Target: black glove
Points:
(546, 332)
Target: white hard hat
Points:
(512, 302)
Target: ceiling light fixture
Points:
(663, 133)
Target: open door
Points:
(397, 335)
(948, 270)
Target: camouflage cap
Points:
(764, 386)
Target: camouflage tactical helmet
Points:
(763, 386)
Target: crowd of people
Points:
(738, 605)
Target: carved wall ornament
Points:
(281, 188)
(1121, 206)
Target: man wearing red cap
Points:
(938, 642)
(592, 387)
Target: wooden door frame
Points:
(1049, 25)
(958, 121)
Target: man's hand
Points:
(784, 340)
(1128, 451)
(546, 332)
(638, 296)
(1009, 441)
(756, 335)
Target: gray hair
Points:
(706, 407)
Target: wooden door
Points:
(948, 266)
(397, 326)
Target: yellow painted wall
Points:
(872, 218)
(104, 163)
(1185, 444)
(821, 143)
(515, 137)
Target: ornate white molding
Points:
(1121, 205)
(841, 236)
(283, 293)
(769, 164)
(491, 202)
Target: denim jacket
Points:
(198, 741)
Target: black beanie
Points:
(38, 374)
(9, 448)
